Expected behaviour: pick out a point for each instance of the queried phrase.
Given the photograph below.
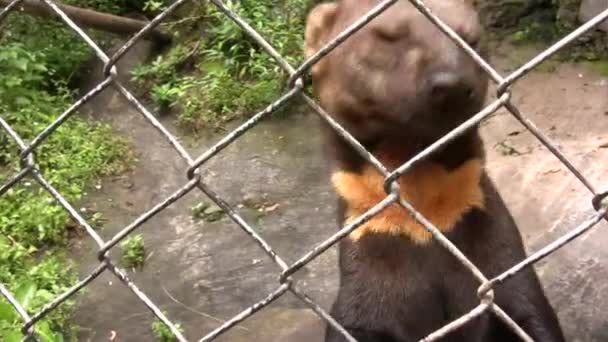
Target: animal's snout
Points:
(445, 88)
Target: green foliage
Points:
(32, 226)
(155, 6)
(162, 332)
(39, 59)
(51, 40)
(598, 66)
(133, 251)
(549, 23)
(233, 76)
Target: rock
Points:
(567, 13)
(504, 13)
(591, 8)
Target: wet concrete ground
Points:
(203, 273)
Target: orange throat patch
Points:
(441, 196)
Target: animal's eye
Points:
(386, 36)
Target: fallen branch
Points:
(89, 18)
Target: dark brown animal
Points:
(398, 85)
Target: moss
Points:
(598, 66)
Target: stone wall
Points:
(567, 13)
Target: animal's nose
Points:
(448, 87)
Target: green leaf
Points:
(22, 101)
(46, 334)
(25, 293)
(13, 336)
(21, 63)
(7, 312)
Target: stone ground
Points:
(203, 273)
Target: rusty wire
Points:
(193, 179)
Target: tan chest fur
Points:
(442, 196)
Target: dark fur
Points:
(391, 288)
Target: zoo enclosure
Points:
(193, 179)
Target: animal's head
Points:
(399, 74)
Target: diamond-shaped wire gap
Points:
(525, 69)
(101, 55)
(113, 72)
(273, 107)
(251, 32)
(64, 116)
(288, 68)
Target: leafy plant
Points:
(39, 60)
(234, 77)
(162, 332)
(134, 252)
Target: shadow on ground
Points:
(203, 273)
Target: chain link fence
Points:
(296, 89)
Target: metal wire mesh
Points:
(193, 178)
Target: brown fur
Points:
(439, 195)
(398, 85)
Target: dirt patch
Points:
(203, 273)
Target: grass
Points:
(540, 29)
(39, 61)
(134, 252)
(161, 331)
(598, 66)
(224, 75)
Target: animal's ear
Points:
(318, 24)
